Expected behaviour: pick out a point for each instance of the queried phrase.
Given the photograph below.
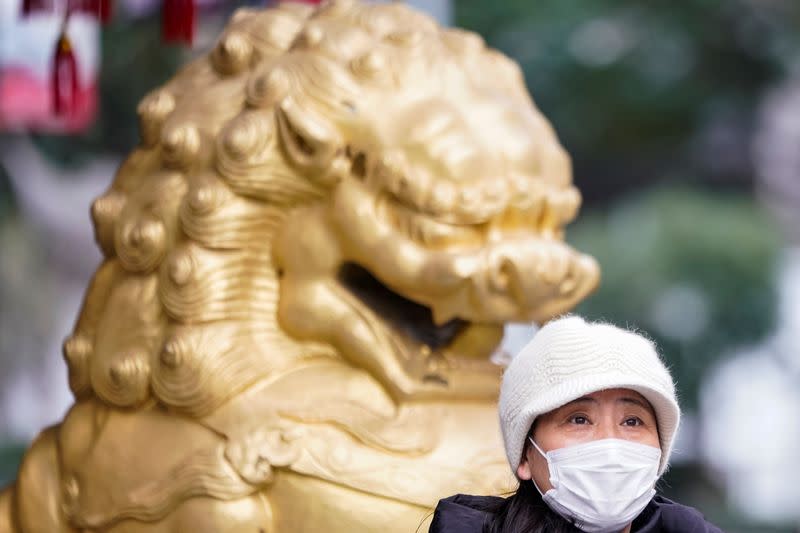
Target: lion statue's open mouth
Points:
(308, 262)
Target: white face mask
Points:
(602, 485)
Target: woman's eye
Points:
(633, 421)
(579, 419)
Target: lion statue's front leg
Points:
(105, 471)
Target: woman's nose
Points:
(608, 430)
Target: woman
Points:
(588, 415)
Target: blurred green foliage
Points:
(644, 92)
(686, 483)
(6, 198)
(693, 269)
(10, 458)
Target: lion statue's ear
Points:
(311, 144)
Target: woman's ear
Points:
(524, 469)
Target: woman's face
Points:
(606, 414)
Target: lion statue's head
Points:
(350, 182)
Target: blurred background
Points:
(683, 122)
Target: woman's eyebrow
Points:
(582, 399)
(574, 403)
(635, 401)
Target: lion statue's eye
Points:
(309, 142)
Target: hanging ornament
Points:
(65, 77)
(33, 6)
(178, 21)
(103, 11)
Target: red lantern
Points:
(178, 21)
(65, 77)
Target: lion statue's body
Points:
(308, 262)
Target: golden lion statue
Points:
(308, 263)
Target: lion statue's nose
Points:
(516, 280)
(532, 271)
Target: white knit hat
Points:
(569, 358)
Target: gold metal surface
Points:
(308, 263)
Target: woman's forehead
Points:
(611, 396)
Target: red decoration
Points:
(103, 11)
(65, 77)
(32, 6)
(178, 21)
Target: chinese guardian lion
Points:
(309, 260)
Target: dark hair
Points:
(525, 512)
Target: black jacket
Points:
(467, 514)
